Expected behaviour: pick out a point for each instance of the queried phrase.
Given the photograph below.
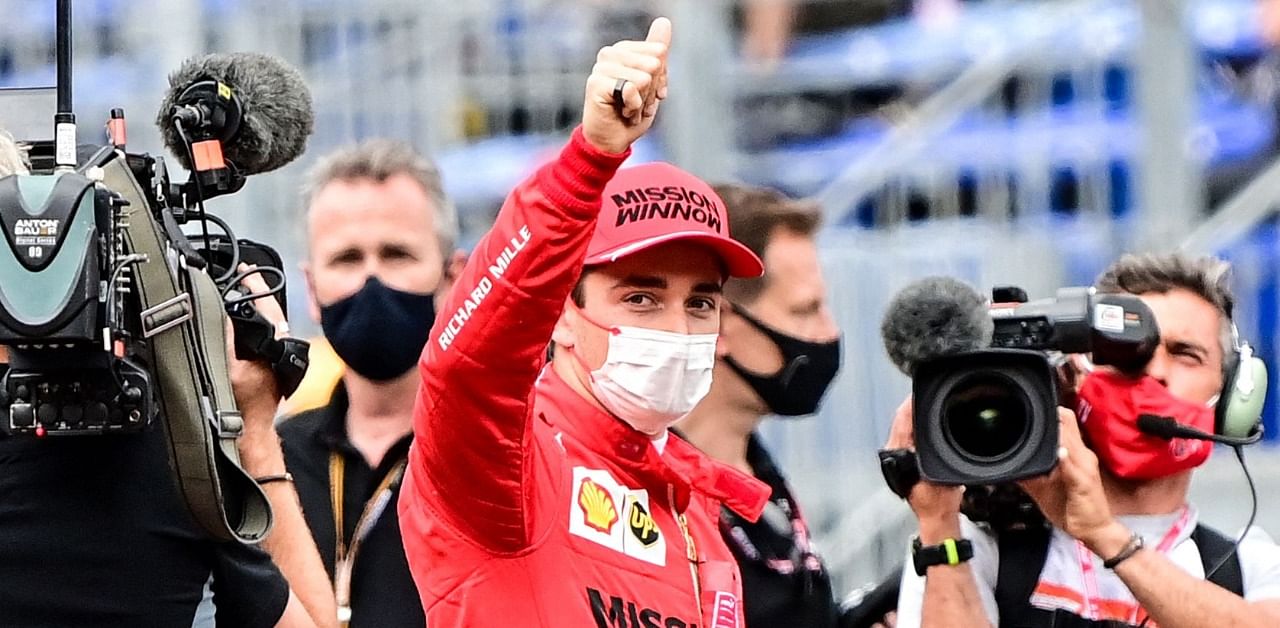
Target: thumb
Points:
(660, 31)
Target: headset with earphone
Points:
(1238, 411)
(1238, 414)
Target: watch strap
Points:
(948, 552)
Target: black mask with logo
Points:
(807, 370)
(379, 331)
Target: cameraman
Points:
(94, 532)
(1121, 499)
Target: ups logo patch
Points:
(642, 525)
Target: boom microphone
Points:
(254, 108)
(934, 317)
(1169, 429)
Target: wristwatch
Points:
(949, 552)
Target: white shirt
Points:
(660, 442)
(1062, 581)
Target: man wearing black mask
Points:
(381, 235)
(778, 351)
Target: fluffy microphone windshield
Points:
(277, 108)
(931, 318)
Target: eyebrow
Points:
(642, 281)
(660, 283)
(344, 252)
(807, 306)
(395, 247)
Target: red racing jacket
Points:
(526, 505)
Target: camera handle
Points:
(255, 338)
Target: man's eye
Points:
(702, 304)
(639, 298)
(1190, 356)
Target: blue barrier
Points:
(1229, 132)
(905, 51)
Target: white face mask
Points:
(651, 378)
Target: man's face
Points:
(672, 287)
(793, 302)
(1189, 359)
(360, 228)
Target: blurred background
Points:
(1001, 141)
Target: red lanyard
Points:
(1088, 572)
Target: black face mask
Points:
(807, 371)
(379, 332)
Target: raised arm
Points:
(471, 456)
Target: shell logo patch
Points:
(597, 506)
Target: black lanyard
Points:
(801, 557)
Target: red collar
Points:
(681, 465)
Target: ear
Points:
(313, 305)
(453, 268)
(563, 334)
(730, 324)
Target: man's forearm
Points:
(1176, 599)
(290, 543)
(950, 591)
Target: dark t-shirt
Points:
(382, 590)
(93, 532)
(784, 583)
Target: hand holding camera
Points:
(1071, 496)
(929, 501)
(252, 379)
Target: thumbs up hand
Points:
(626, 86)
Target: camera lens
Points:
(986, 416)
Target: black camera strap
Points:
(183, 319)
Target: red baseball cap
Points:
(655, 203)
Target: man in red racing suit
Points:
(554, 497)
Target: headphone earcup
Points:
(1240, 405)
